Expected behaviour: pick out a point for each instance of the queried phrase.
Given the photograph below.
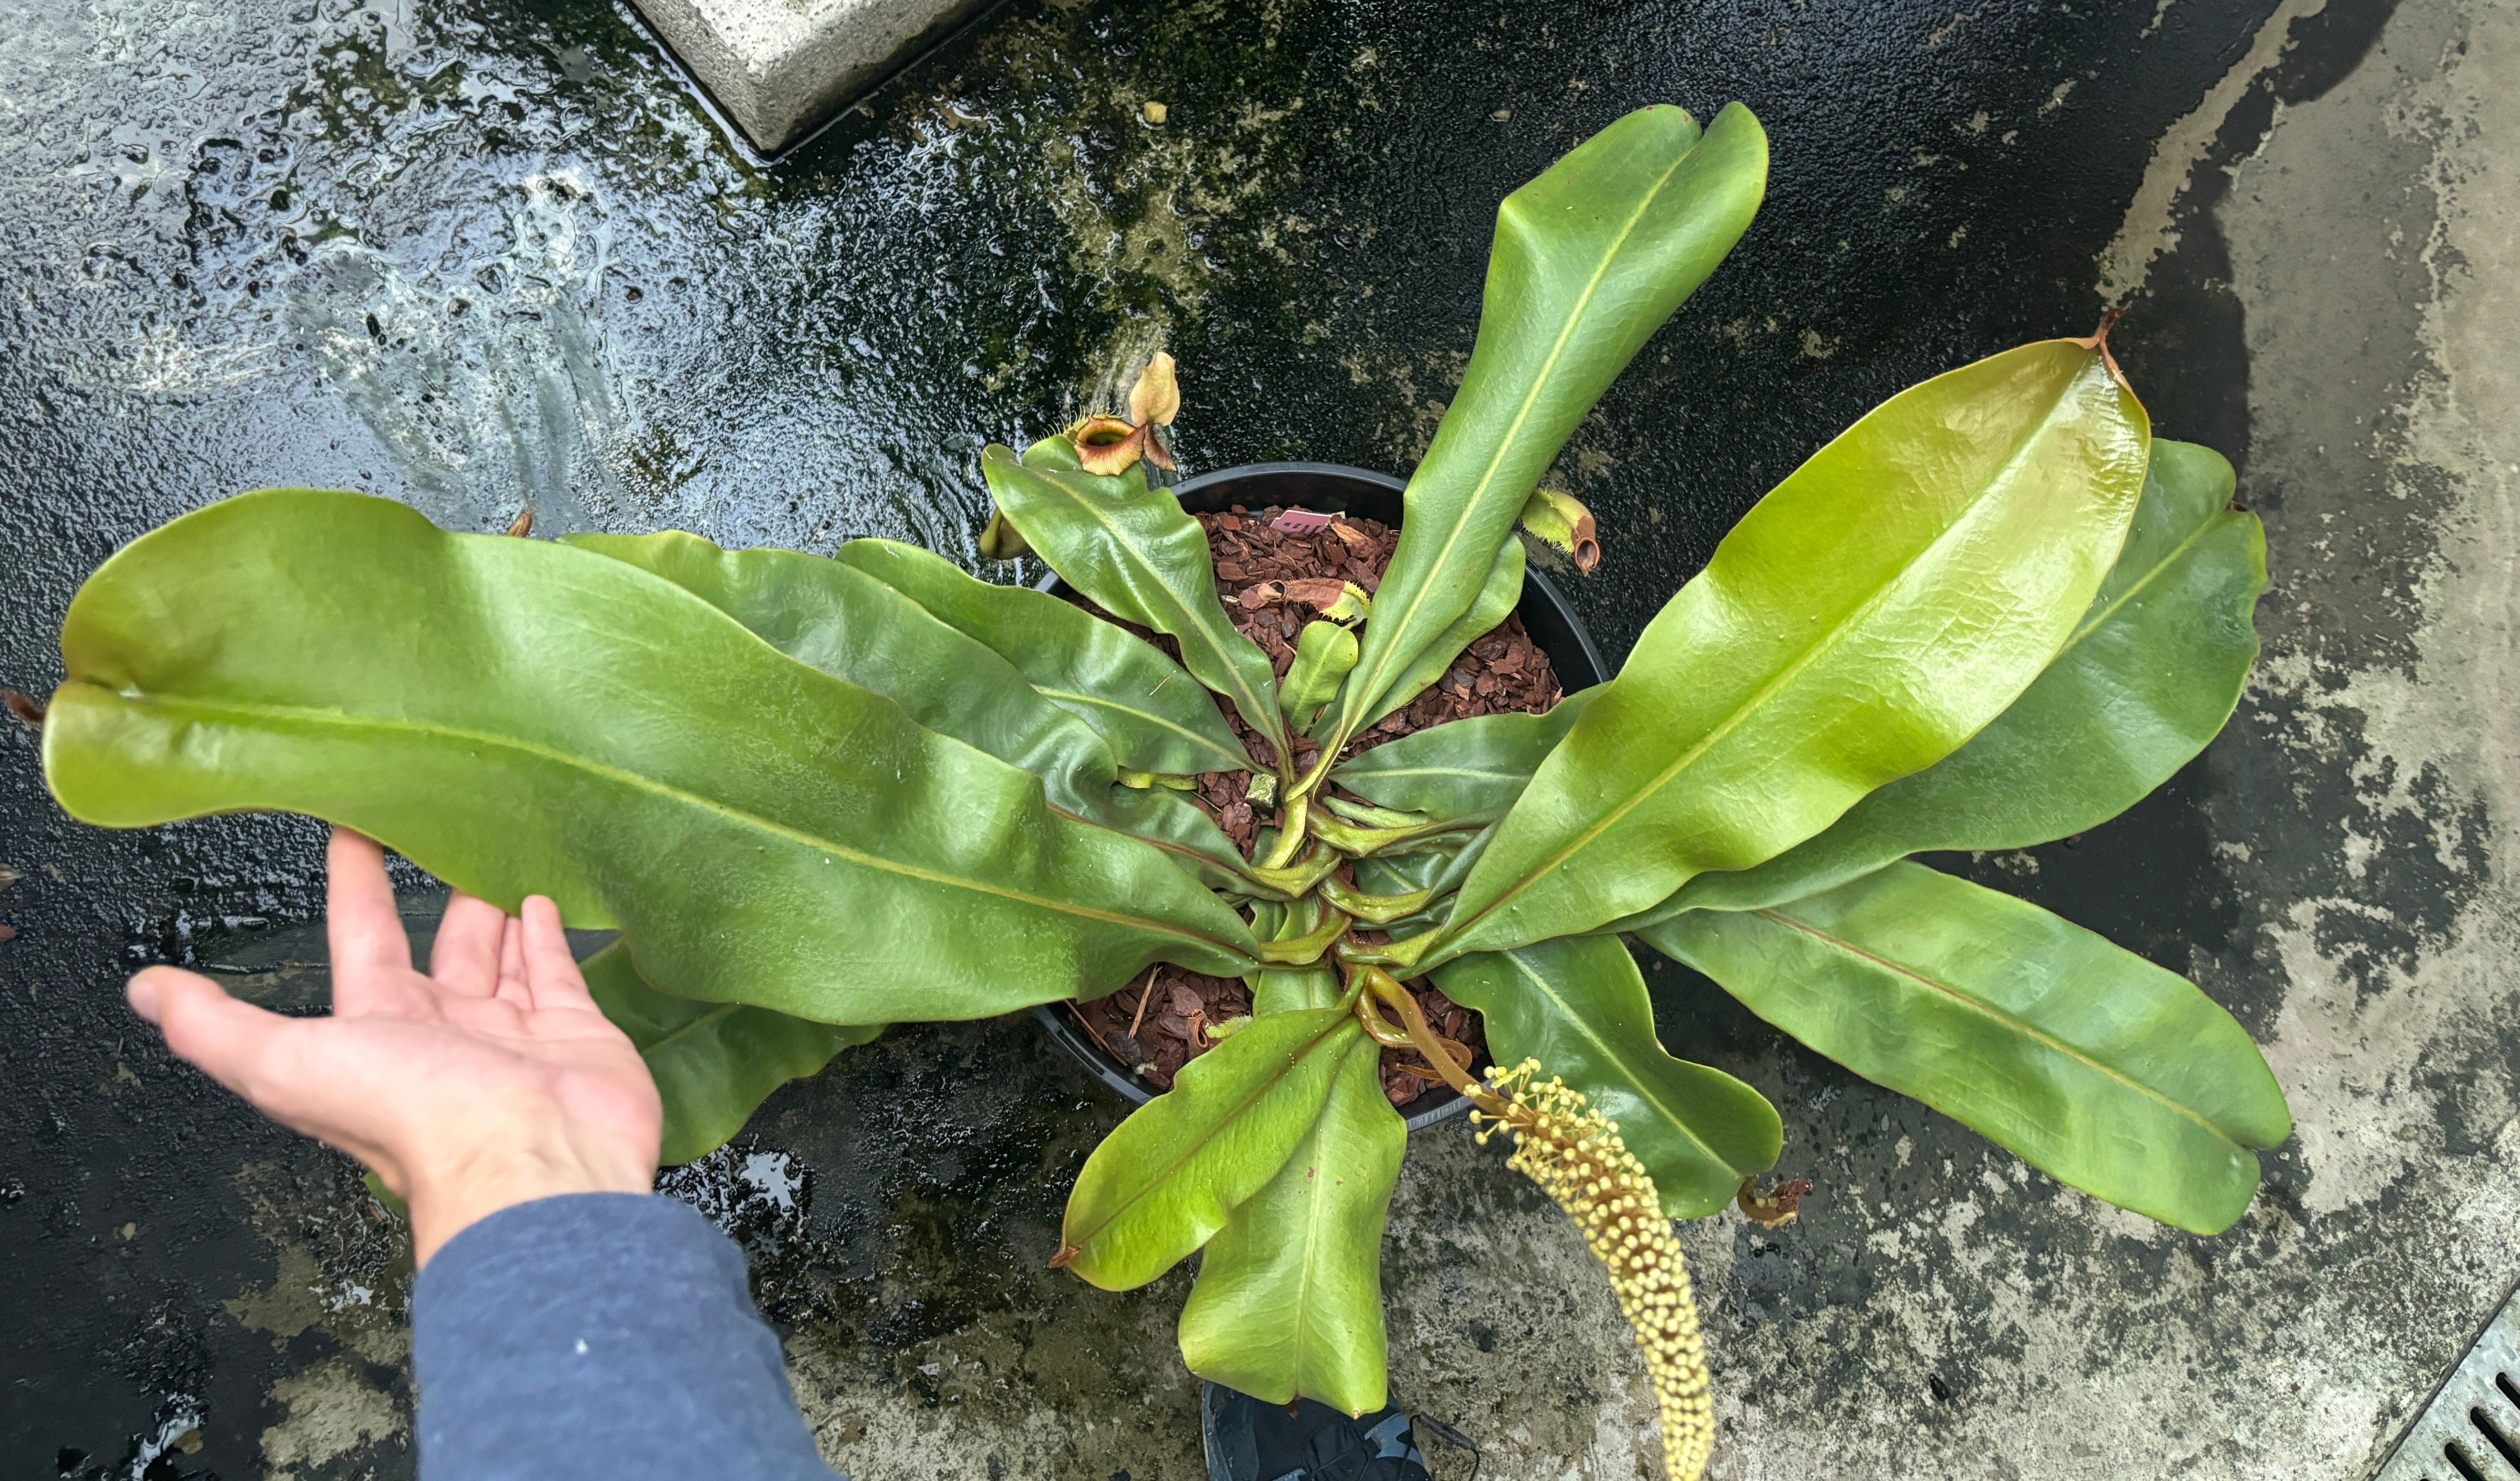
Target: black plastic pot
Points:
(1335, 489)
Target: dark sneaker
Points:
(1251, 1441)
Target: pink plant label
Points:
(1300, 521)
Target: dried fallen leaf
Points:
(523, 524)
(26, 711)
(7, 933)
(1319, 593)
(9, 877)
(1779, 1208)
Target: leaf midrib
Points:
(705, 1020)
(1609, 1056)
(1741, 715)
(2061, 1047)
(1471, 773)
(1255, 712)
(1522, 414)
(1316, 1197)
(241, 710)
(1234, 762)
(2093, 621)
(1215, 1129)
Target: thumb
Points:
(228, 1039)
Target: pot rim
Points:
(1551, 619)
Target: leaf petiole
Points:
(1306, 949)
(1290, 835)
(1374, 910)
(1358, 842)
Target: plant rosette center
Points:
(1277, 569)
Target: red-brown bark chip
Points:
(1181, 1006)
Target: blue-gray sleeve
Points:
(605, 1335)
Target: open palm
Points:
(489, 1080)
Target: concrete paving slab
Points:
(780, 68)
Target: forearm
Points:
(599, 1335)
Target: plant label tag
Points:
(1300, 521)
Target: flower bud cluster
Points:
(1575, 1156)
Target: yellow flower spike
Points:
(1587, 1169)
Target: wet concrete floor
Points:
(483, 253)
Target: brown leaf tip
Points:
(2099, 341)
(1779, 1208)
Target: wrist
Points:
(452, 1195)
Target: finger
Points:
(550, 970)
(514, 986)
(465, 956)
(360, 921)
(232, 1042)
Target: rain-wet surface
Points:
(474, 255)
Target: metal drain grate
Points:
(2471, 1430)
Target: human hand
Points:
(489, 1081)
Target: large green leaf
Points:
(713, 1062)
(2092, 1063)
(1498, 596)
(521, 716)
(1166, 1181)
(1590, 259)
(1132, 550)
(1579, 1007)
(1155, 716)
(1464, 771)
(2150, 676)
(850, 624)
(1290, 1294)
(1872, 613)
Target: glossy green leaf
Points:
(1463, 771)
(2096, 1067)
(2147, 678)
(1496, 597)
(1154, 715)
(713, 1062)
(1166, 1181)
(1589, 260)
(850, 624)
(1579, 1007)
(519, 715)
(1324, 653)
(1132, 551)
(1874, 612)
(1290, 1296)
